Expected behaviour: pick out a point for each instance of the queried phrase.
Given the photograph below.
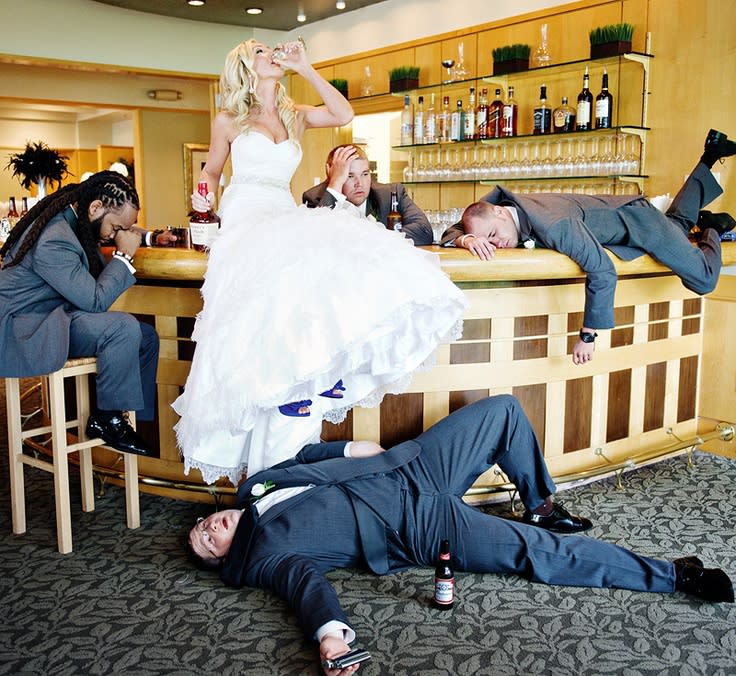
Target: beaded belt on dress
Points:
(261, 180)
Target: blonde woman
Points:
(297, 301)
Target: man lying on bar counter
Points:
(580, 226)
(347, 504)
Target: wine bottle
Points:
(430, 126)
(542, 114)
(443, 121)
(24, 206)
(495, 116)
(469, 129)
(510, 116)
(407, 123)
(456, 122)
(444, 580)
(563, 117)
(203, 225)
(393, 220)
(419, 121)
(13, 215)
(585, 104)
(481, 115)
(604, 105)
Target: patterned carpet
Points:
(127, 602)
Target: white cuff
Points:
(346, 450)
(339, 197)
(124, 261)
(336, 627)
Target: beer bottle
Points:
(393, 220)
(444, 580)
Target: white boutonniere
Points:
(259, 490)
(529, 243)
(371, 218)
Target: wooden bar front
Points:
(524, 314)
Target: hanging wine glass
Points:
(448, 64)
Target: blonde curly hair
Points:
(238, 83)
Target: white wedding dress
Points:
(296, 299)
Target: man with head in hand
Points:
(339, 505)
(55, 293)
(349, 186)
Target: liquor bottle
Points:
(430, 126)
(481, 115)
(444, 580)
(419, 121)
(542, 114)
(24, 206)
(563, 117)
(585, 104)
(456, 122)
(495, 116)
(13, 215)
(407, 135)
(393, 220)
(604, 105)
(469, 128)
(443, 121)
(510, 122)
(203, 225)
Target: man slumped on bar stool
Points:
(349, 186)
(55, 292)
(580, 226)
(340, 504)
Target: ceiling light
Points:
(254, 10)
(340, 4)
(301, 17)
(195, 3)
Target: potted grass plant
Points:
(511, 58)
(341, 85)
(403, 78)
(610, 40)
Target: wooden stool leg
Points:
(85, 454)
(132, 497)
(57, 410)
(15, 447)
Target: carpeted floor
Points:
(127, 602)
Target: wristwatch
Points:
(588, 337)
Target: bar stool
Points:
(79, 369)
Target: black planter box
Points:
(403, 85)
(609, 49)
(510, 66)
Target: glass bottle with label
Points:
(585, 105)
(419, 121)
(444, 580)
(604, 105)
(407, 123)
(510, 116)
(481, 115)
(430, 126)
(456, 122)
(13, 214)
(393, 220)
(469, 129)
(443, 121)
(24, 206)
(495, 116)
(203, 225)
(542, 113)
(563, 117)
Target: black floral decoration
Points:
(37, 162)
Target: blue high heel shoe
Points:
(331, 393)
(292, 409)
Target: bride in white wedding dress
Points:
(297, 301)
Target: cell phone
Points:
(347, 660)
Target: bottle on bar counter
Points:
(495, 116)
(469, 128)
(585, 105)
(456, 122)
(393, 220)
(24, 206)
(509, 126)
(542, 114)
(604, 105)
(444, 580)
(407, 123)
(443, 121)
(419, 121)
(481, 115)
(13, 215)
(430, 126)
(203, 225)
(563, 117)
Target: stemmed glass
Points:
(448, 64)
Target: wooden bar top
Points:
(171, 264)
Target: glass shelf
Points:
(629, 178)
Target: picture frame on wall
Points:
(195, 156)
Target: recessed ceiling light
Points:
(340, 4)
(195, 3)
(254, 10)
(301, 17)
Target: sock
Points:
(546, 508)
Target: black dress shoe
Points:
(721, 222)
(717, 145)
(709, 584)
(559, 520)
(688, 561)
(118, 433)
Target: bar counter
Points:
(525, 309)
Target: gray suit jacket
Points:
(414, 221)
(38, 294)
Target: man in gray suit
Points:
(580, 226)
(338, 505)
(349, 185)
(55, 292)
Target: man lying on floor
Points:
(346, 504)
